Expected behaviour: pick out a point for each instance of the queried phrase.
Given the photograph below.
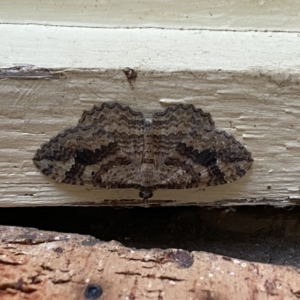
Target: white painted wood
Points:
(273, 15)
(260, 109)
(147, 49)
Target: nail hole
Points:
(93, 291)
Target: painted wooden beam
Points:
(260, 109)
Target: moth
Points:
(114, 146)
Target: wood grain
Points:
(45, 265)
(260, 109)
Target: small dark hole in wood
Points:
(93, 291)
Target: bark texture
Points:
(49, 265)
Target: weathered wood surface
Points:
(261, 110)
(224, 15)
(49, 265)
(246, 79)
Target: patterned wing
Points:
(125, 124)
(103, 150)
(194, 152)
(214, 157)
(115, 147)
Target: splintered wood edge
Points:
(40, 265)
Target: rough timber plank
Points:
(260, 109)
(46, 265)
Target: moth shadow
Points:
(68, 194)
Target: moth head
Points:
(145, 194)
